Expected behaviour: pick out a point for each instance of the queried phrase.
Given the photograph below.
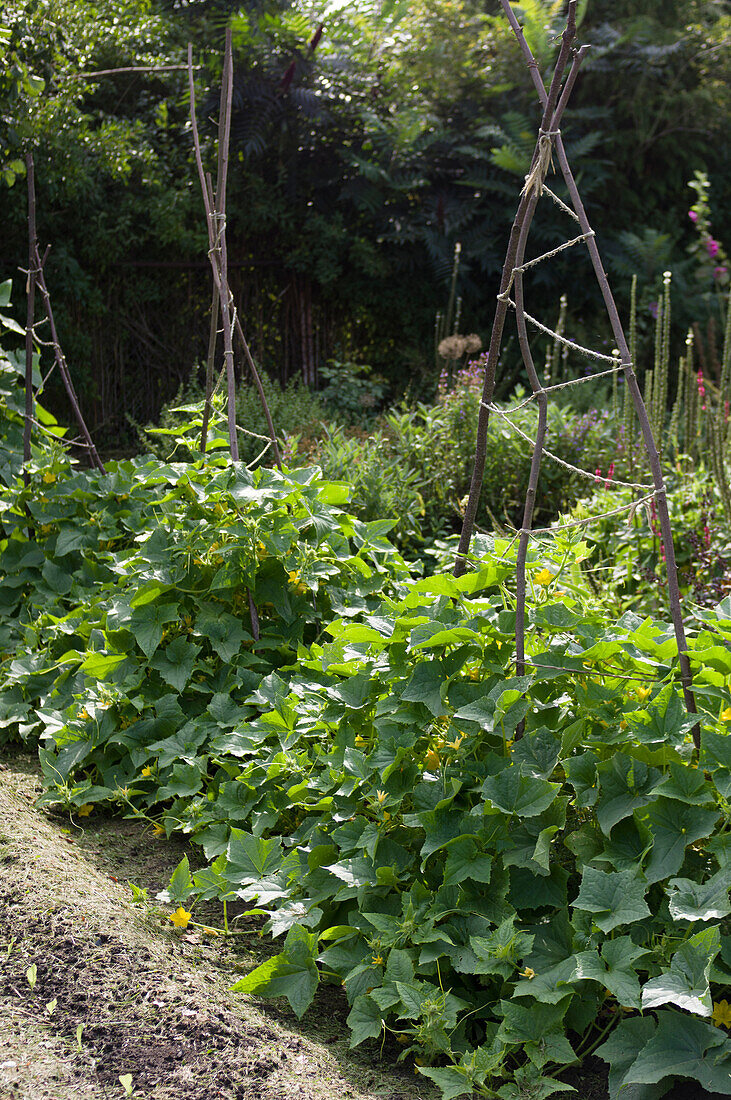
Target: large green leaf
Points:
(466, 861)
(674, 826)
(518, 794)
(530, 849)
(621, 1049)
(664, 721)
(224, 632)
(683, 1046)
(452, 1080)
(399, 967)
(277, 977)
(538, 1030)
(365, 1020)
(180, 886)
(582, 775)
(176, 664)
(614, 898)
(148, 622)
(689, 900)
(686, 784)
(537, 753)
(685, 984)
(426, 685)
(250, 858)
(626, 784)
(715, 757)
(613, 969)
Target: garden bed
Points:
(150, 1001)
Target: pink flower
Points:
(707, 535)
(712, 246)
(610, 475)
(701, 387)
(598, 474)
(719, 271)
(693, 216)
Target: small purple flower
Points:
(693, 216)
(653, 307)
(719, 272)
(712, 247)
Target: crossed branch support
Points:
(548, 142)
(214, 202)
(36, 278)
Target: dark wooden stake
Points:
(210, 360)
(63, 366)
(30, 317)
(220, 243)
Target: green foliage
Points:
(47, 451)
(627, 560)
(416, 466)
(594, 825)
(382, 487)
(362, 156)
(505, 872)
(295, 411)
(365, 799)
(351, 392)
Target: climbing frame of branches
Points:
(36, 277)
(214, 202)
(549, 142)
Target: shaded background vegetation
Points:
(368, 140)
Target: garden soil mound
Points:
(115, 992)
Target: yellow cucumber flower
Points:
(431, 760)
(180, 917)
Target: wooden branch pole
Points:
(30, 316)
(550, 137)
(220, 246)
(63, 369)
(210, 359)
(98, 73)
(212, 218)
